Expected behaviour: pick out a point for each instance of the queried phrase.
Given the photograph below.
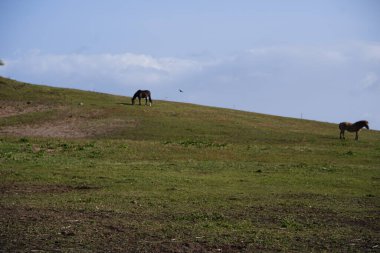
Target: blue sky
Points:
(319, 59)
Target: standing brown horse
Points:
(352, 127)
(142, 94)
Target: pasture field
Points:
(87, 172)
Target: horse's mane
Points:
(136, 93)
(361, 123)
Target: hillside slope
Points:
(37, 106)
(85, 171)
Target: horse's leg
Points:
(341, 136)
(356, 137)
(139, 101)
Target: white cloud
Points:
(102, 69)
(306, 53)
(370, 81)
(370, 51)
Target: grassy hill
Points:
(84, 172)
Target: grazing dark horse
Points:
(352, 127)
(142, 94)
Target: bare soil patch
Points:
(71, 127)
(10, 108)
(29, 229)
(34, 188)
(48, 230)
(67, 122)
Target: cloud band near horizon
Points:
(280, 80)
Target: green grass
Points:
(178, 178)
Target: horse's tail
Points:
(343, 126)
(149, 96)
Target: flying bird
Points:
(180, 90)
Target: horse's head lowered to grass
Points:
(142, 94)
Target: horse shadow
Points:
(124, 103)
